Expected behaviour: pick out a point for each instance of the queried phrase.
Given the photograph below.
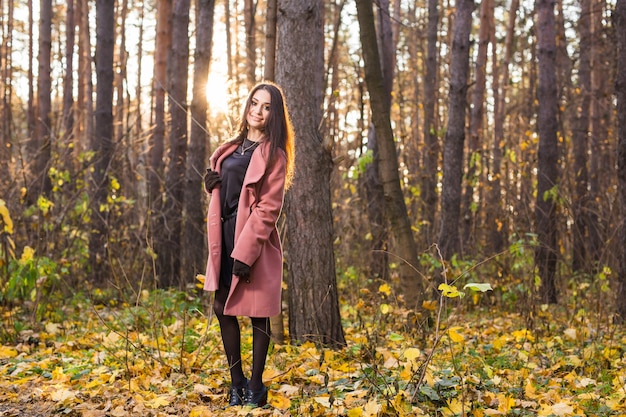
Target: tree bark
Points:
(157, 139)
(103, 143)
(477, 114)
(620, 92)
(601, 106)
(270, 40)
(548, 152)
(42, 184)
(194, 241)
(431, 126)
(156, 147)
(123, 165)
(169, 248)
(395, 207)
(313, 296)
(31, 121)
(249, 14)
(455, 133)
(68, 79)
(84, 128)
(379, 258)
(6, 63)
(497, 222)
(580, 135)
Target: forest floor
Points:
(162, 356)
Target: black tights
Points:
(231, 337)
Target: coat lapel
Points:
(258, 164)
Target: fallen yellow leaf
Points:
(7, 352)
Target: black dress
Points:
(233, 172)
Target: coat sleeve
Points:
(264, 213)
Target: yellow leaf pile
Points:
(116, 362)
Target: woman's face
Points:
(259, 110)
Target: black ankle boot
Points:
(236, 395)
(255, 398)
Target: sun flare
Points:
(217, 93)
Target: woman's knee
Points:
(218, 307)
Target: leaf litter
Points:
(123, 361)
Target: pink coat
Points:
(256, 237)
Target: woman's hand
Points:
(241, 270)
(211, 179)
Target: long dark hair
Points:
(278, 128)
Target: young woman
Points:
(247, 180)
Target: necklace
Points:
(244, 149)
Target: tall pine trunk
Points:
(620, 92)
(68, 79)
(249, 14)
(270, 40)
(312, 285)
(548, 152)
(378, 258)
(600, 124)
(194, 242)
(496, 223)
(85, 123)
(42, 184)
(395, 208)
(476, 137)
(449, 239)
(6, 120)
(170, 231)
(156, 141)
(102, 143)
(431, 126)
(580, 135)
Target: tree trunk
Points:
(379, 258)
(620, 92)
(84, 128)
(68, 79)
(331, 129)
(194, 232)
(103, 144)
(169, 248)
(229, 42)
(580, 135)
(270, 40)
(431, 126)
(249, 13)
(395, 207)
(600, 121)
(477, 114)
(496, 223)
(157, 140)
(548, 152)
(156, 170)
(6, 63)
(42, 184)
(313, 297)
(455, 133)
(138, 148)
(122, 167)
(31, 121)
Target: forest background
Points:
(443, 149)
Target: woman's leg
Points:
(261, 333)
(231, 338)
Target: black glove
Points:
(241, 270)
(211, 179)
